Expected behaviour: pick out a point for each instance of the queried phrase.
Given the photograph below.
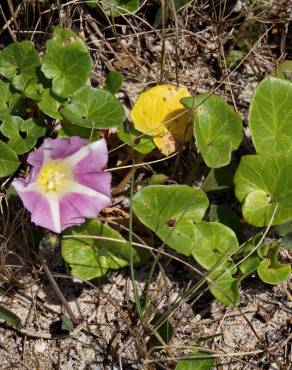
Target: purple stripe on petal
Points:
(95, 160)
(74, 207)
(39, 208)
(59, 148)
(99, 181)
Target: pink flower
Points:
(66, 183)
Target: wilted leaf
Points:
(159, 113)
(169, 211)
(94, 108)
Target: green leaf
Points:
(113, 82)
(11, 103)
(10, 317)
(68, 130)
(142, 143)
(165, 330)
(217, 128)
(222, 213)
(169, 211)
(284, 70)
(20, 62)
(116, 8)
(286, 241)
(50, 104)
(94, 108)
(203, 362)
(250, 264)
(270, 270)
(89, 257)
(67, 323)
(67, 62)
(22, 135)
(270, 116)
(212, 243)
(264, 185)
(219, 179)
(225, 287)
(9, 162)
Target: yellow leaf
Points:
(159, 113)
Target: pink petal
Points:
(99, 181)
(74, 207)
(91, 158)
(38, 206)
(59, 148)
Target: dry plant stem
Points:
(162, 60)
(177, 56)
(73, 318)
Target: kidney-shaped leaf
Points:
(169, 211)
(8, 160)
(159, 113)
(270, 116)
(22, 135)
(94, 108)
(20, 62)
(217, 128)
(89, 257)
(213, 241)
(67, 62)
(264, 185)
(270, 270)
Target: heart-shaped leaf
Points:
(50, 104)
(67, 62)
(20, 62)
(264, 185)
(89, 257)
(94, 108)
(22, 135)
(169, 211)
(159, 113)
(217, 128)
(8, 160)
(212, 243)
(115, 8)
(10, 102)
(270, 116)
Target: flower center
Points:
(53, 176)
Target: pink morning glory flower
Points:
(66, 183)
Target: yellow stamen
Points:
(53, 176)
